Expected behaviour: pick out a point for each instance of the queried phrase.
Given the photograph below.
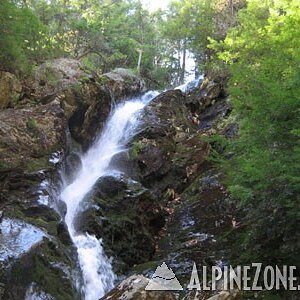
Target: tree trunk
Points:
(178, 64)
(87, 52)
(183, 63)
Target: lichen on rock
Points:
(10, 89)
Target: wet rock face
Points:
(44, 266)
(170, 157)
(200, 215)
(28, 136)
(165, 159)
(10, 89)
(17, 238)
(168, 151)
(127, 217)
(31, 239)
(63, 96)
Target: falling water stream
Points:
(96, 268)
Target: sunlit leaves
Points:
(264, 54)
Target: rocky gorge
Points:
(166, 203)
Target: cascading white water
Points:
(97, 273)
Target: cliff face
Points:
(168, 159)
(165, 204)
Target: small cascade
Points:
(96, 267)
(190, 85)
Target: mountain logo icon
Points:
(164, 279)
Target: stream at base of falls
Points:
(123, 123)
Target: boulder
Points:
(59, 75)
(10, 89)
(29, 135)
(55, 75)
(133, 288)
(123, 83)
(89, 113)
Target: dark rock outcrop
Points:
(170, 156)
(44, 265)
(45, 253)
(200, 98)
(199, 215)
(88, 104)
(127, 217)
(168, 151)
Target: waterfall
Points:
(96, 268)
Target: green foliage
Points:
(31, 124)
(3, 165)
(136, 149)
(36, 164)
(22, 37)
(263, 176)
(188, 25)
(107, 34)
(103, 34)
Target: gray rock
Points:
(55, 75)
(133, 288)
